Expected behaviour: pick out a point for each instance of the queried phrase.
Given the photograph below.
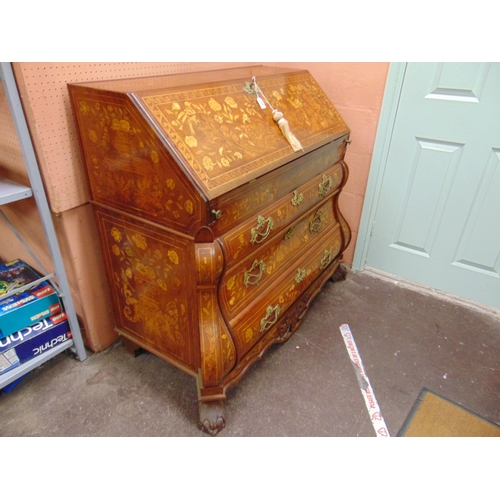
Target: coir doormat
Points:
(435, 416)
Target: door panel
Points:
(459, 81)
(437, 220)
(479, 242)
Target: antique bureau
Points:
(218, 220)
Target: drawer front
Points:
(246, 238)
(266, 310)
(253, 274)
(254, 197)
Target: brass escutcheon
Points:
(289, 233)
(301, 274)
(249, 88)
(297, 198)
(270, 318)
(327, 258)
(316, 222)
(325, 185)
(259, 237)
(253, 279)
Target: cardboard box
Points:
(27, 307)
(33, 340)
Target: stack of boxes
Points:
(32, 320)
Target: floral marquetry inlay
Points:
(149, 284)
(222, 132)
(128, 166)
(244, 282)
(249, 330)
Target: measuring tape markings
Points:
(364, 383)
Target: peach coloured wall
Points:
(355, 89)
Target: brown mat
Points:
(435, 416)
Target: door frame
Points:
(383, 138)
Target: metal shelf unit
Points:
(11, 192)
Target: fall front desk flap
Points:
(217, 126)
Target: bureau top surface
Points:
(214, 126)
(164, 82)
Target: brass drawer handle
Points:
(217, 213)
(270, 318)
(253, 279)
(326, 260)
(297, 198)
(317, 222)
(259, 237)
(301, 274)
(325, 185)
(289, 233)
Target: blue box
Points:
(33, 340)
(27, 307)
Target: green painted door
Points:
(436, 220)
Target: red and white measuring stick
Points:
(364, 383)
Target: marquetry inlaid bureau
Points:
(218, 217)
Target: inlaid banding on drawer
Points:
(240, 284)
(245, 238)
(247, 328)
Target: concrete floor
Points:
(306, 387)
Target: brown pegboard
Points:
(45, 98)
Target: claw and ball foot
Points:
(212, 417)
